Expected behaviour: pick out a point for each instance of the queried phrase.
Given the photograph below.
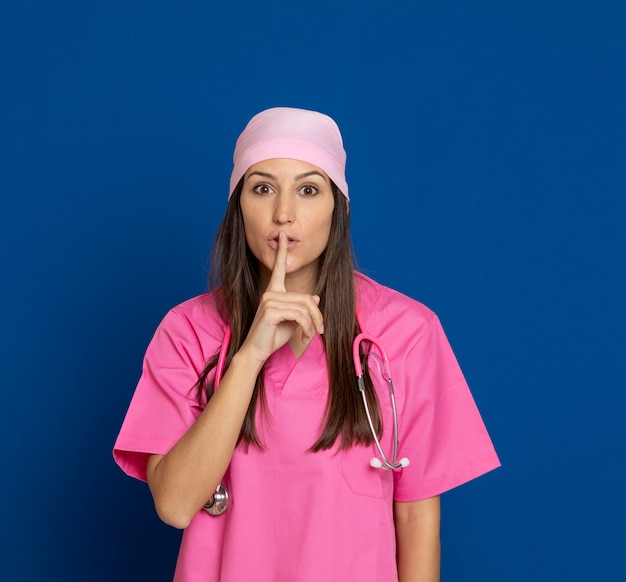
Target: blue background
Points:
(487, 162)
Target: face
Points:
(294, 197)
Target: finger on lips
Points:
(277, 280)
(313, 320)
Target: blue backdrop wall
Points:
(487, 163)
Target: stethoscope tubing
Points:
(218, 502)
(385, 464)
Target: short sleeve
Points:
(441, 430)
(164, 404)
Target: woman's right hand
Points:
(280, 314)
(183, 479)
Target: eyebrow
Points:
(311, 173)
(298, 177)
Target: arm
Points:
(182, 481)
(417, 540)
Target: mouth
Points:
(291, 242)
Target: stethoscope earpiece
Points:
(378, 464)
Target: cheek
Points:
(323, 234)
(323, 230)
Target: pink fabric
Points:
(285, 132)
(297, 516)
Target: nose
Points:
(284, 210)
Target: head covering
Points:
(299, 134)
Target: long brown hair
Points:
(236, 287)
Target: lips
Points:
(291, 241)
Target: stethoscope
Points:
(218, 502)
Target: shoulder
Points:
(196, 321)
(200, 309)
(374, 297)
(381, 309)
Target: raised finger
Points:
(277, 280)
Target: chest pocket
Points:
(361, 477)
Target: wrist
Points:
(247, 363)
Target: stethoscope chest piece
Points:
(218, 502)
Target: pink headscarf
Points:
(299, 134)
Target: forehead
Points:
(286, 168)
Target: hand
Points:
(280, 313)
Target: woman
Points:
(286, 430)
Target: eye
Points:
(309, 190)
(263, 189)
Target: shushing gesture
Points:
(281, 314)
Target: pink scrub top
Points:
(297, 516)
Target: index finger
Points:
(277, 280)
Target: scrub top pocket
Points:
(361, 477)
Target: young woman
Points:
(252, 388)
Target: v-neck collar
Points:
(284, 363)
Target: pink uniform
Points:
(297, 516)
